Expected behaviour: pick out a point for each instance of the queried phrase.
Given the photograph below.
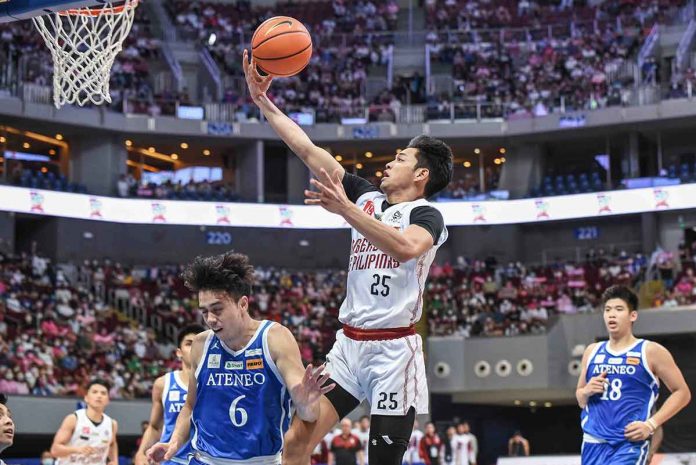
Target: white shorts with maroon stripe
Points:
(390, 374)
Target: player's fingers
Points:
(312, 194)
(337, 176)
(312, 201)
(319, 185)
(328, 388)
(603, 375)
(324, 378)
(326, 176)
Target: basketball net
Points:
(84, 43)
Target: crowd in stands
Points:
(204, 191)
(68, 306)
(43, 179)
(484, 298)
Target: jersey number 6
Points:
(234, 412)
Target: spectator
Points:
(345, 447)
(518, 446)
(430, 445)
(413, 454)
(449, 446)
(466, 445)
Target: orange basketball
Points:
(281, 46)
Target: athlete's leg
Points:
(630, 453)
(389, 437)
(302, 437)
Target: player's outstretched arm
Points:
(314, 157)
(664, 367)
(164, 451)
(306, 386)
(60, 447)
(596, 385)
(154, 429)
(413, 242)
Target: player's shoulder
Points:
(591, 348)
(653, 348)
(200, 338)
(280, 336)
(161, 380)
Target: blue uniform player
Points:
(168, 397)
(248, 375)
(619, 385)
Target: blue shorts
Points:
(623, 453)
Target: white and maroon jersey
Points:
(463, 447)
(86, 433)
(364, 437)
(412, 454)
(382, 293)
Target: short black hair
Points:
(621, 292)
(100, 382)
(436, 156)
(229, 272)
(3, 398)
(186, 330)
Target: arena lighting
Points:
(26, 145)
(44, 169)
(338, 158)
(175, 156)
(206, 152)
(467, 164)
(502, 159)
(151, 149)
(129, 143)
(359, 166)
(497, 161)
(3, 139)
(532, 403)
(212, 39)
(184, 145)
(477, 150)
(548, 404)
(502, 150)
(518, 402)
(51, 152)
(59, 136)
(368, 154)
(378, 174)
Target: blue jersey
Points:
(631, 393)
(242, 405)
(173, 399)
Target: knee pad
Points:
(389, 438)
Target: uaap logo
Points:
(661, 198)
(479, 212)
(542, 209)
(95, 207)
(603, 201)
(223, 214)
(286, 215)
(159, 212)
(37, 201)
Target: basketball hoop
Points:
(84, 43)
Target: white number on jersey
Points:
(614, 391)
(243, 417)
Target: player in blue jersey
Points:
(619, 384)
(246, 374)
(168, 397)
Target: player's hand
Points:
(331, 195)
(161, 452)
(140, 459)
(307, 393)
(86, 450)
(597, 384)
(258, 85)
(637, 431)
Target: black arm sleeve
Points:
(430, 219)
(356, 186)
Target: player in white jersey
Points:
(362, 432)
(88, 436)
(395, 233)
(464, 448)
(412, 455)
(165, 394)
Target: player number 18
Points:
(614, 391)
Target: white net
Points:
(84, 43)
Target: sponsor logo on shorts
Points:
(253, 352)
(633, 361)
(254, 364)
(234, 365)
(214, 361)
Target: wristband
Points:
(652, 425)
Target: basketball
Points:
(281, 46)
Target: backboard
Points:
(15, 10)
